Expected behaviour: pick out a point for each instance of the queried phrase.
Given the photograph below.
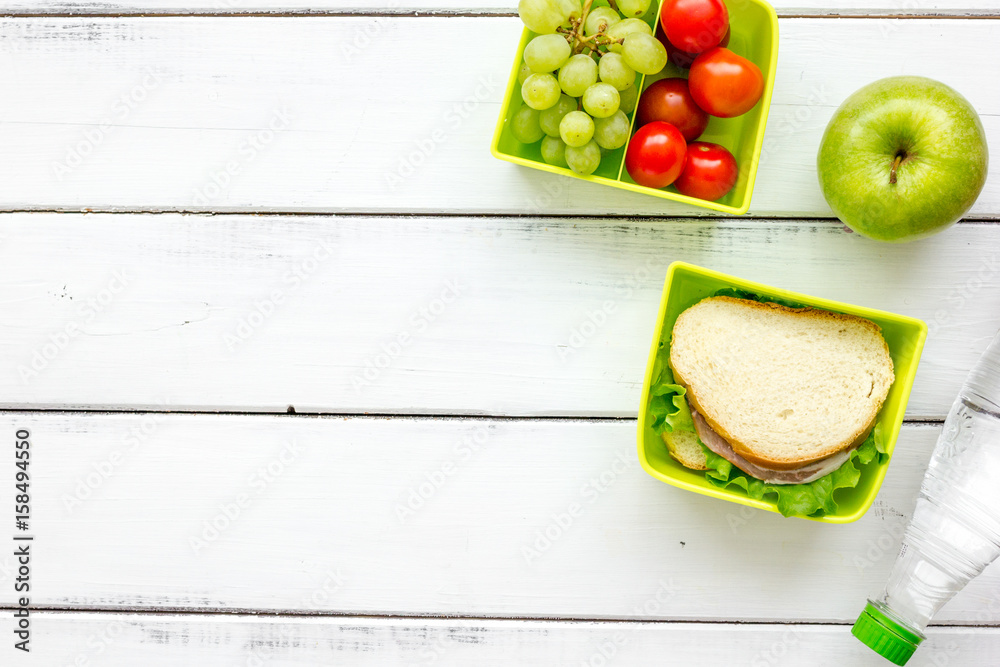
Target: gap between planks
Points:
(415, 416)
(403, 215)
(460, 13)
(271, 613)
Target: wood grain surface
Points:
(223, 114)
(428, 516)
(538, 317)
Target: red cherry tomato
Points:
(670, 100)
(725, 84)
(709, 173)
(681, 58)
(694, 26)
(655, 155)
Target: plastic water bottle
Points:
(955, 530)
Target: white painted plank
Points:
(125, 640)
(546, 317)
(178, 113)
(429, 516)
(794, 7)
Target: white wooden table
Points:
(286, 413)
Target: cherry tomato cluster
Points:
(672, 113)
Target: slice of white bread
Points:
(785, 387)
(684, 446)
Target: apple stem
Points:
(895, 166)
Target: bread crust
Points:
(740, 448)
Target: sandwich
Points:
(773, 399)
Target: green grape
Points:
(550, 118)
(644, 53)
(630, 8)
(611, 132)
(524, 125)
(584, 159)
(547, 53)
(612, 69)
(601, 100)
(599, 19)
(554, 151)
(577, 75)
(627, 27)
(629, 97)
(540, 91)
(523, 73)
(576, 128)
(544, 16)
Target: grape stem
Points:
(579, 39)
(587, 43)
(606, 41)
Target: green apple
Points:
(902, 159)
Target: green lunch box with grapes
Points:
(667, 98)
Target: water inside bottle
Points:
(955, 531)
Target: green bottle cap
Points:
(886, 636)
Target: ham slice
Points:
(803, 475)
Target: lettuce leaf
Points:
(752, 296)
(669, 407)
(812, 499)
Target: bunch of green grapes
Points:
(578, 78)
